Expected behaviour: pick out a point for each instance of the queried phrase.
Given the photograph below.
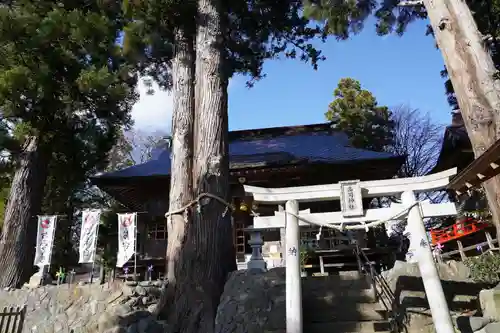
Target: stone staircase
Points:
(343, 303)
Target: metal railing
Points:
(460, 229)
(382, 291)
(12, 319)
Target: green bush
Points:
(305, 254)
(485, 268)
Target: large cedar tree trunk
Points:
(212, 245)
(471, 71)
(201, 252)
(17, 244)
(181, 185)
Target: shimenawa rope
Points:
(184, 208)
(363, 225)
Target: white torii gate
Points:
(353, 216)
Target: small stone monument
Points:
(71, 277)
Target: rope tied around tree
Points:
(184, 209)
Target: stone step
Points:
(348, 327)
(345, 275)
(336, 277)
(335, 283)
(332, 298)
(346, 311)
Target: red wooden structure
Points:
(460, 229)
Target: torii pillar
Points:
(430, 276)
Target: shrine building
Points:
(472, 232)
(267, 157)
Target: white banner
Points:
(45, 240)
(126, 237)
(88, 235)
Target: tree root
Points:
(187, 308)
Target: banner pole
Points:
(135, 246)
(42, 269)
(52, 244)
(95, 249)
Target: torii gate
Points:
(352, 215)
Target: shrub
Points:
(304, 255)
(485, 268)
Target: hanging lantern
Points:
(243, 207)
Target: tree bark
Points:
(471, 71)
(181, 185)
(17, 243)
(212, 235)
(204, 253)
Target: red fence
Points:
(459, 229)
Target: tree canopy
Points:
(356, 112)
(66, 89)
(347, 18)
(254, 31)
(61, 68)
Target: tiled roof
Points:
(274, 146)
(456, 149)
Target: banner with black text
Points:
(45, 240)
(88, 235)
(126, 238)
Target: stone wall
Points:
(252, 302)
(461, 293)
(86, 308)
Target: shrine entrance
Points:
(354, 217)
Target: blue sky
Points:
(398, 70)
